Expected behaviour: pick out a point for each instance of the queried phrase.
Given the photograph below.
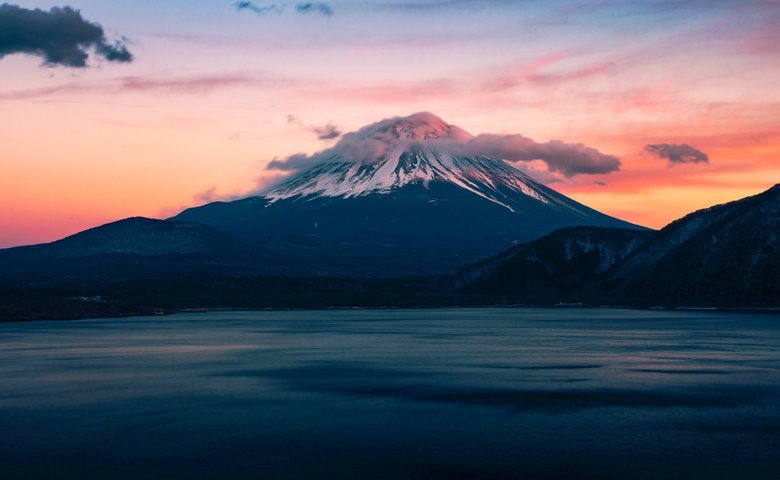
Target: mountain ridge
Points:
(726, 255)
(739, 269)
(134, 236)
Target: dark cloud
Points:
(326, 132)
(374, 142)
(314, 7)
(677, 153)
(302, 7)
(600, 183)
(115, 53)
(257, 9)
(60, 36)
(570, 159)
(298, 161)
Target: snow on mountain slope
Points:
(420, 148)
(484, 176)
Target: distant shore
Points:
(32, 316)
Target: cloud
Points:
(207, 196)
(570, 159)
(198, 84)
(301, 7)
(258, 10)
(391, 136)
(677, 153)
(294, 162)
(60, 36)
(315, 7)
(326, 132)
(211, 195)
(194, 84)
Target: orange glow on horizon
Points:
(205, 104)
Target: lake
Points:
(380, 394)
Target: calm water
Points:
(429, 394)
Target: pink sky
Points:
(207, 100)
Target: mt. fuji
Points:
(420, 148)
(405, 196)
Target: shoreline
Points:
(169, 312)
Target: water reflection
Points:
(477, 393)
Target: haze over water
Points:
(470, 393)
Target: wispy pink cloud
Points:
(518, 75)
(467, 85)
(388, 92)
(197, 84)
(33, 93)
(578, 74)
(393, 92)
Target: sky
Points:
(111, 109)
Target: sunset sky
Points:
(184, 102)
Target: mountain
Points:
(396, 199)
(131, 246)
(727, 255)
(567, 264)
(132, 236)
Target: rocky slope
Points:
(727, 255)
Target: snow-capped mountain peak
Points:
(392, 153)
(419, 126)
(489, 178)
